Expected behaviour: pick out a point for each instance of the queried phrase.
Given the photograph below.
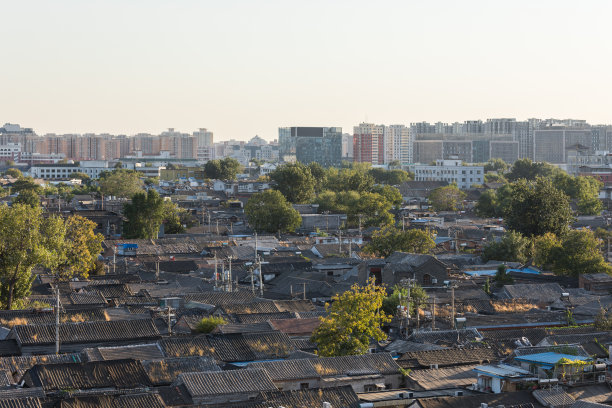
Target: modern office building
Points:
(322, 145)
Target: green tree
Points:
(176, 219)
(495, 178)
(26, 183)
(120, 183)
(526, 169)
(502, 277)
(208, 324)
(295, 182)
(537, 207)
(224, 169)
(399, 297)
(390, 193)
(81, 176)
(20, 250)
(144, 214)
(389, 177)
(269, 211)
(513, 247)
(545, 248)
(579, 253)
(14, 173)
(355, 178)
(447, 198)
(319, 174)
(353, 318)
(71, 247)
(388, 240)
(28, 197)
(497, 165)
(487, 205)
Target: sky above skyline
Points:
(241, 68)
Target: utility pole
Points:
(57, 317)
(340, 247)
(217, 227)
(114, 259)
(223, 276)
(157, 270)
(453, 307)
(216, 276)
(304, 296)
(209, 224)
(230, 273)
(169, 321)
(433, 314)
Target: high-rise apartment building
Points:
(397, 144)
(368, 143)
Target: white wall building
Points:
(450, 170)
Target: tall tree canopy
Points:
(120, 183)
(353, 318)
(144, 214)
(295, 181)
(447, 198)
(526, 169)
(513, 247)
(390, 177)
(224, 169)
(390, 239)
(537, 207)
(269, 211)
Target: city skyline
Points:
(237, 67)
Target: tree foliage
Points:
(26, 183)
(353, 318)
(208, 324)
(15, 173)
(513, 247)
(447, 198)
(72, 246)
(223, 169)
(575, 253)
(27, 239)
(497, 165)
(399, 297)
(389, 177)
(526, 169)
(537, 207)
(145, 214)
(269, 211)
(120, 183)
(295, 181)
(373, 208)
(388, 240)
(28, 197)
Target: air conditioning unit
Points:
(406, 395)
(434, 281)
(458, 393)
(601, 378)
(433, 366)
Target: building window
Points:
(303, 386)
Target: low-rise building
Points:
(451, 171)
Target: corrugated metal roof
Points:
(549, 358)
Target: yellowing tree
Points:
(354, 318)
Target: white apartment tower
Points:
(397, 144)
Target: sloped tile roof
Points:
(144, 400)
(460, 336)
(447, 357)
(221, 298)
(136, 352)
(269, 345)
(20, 403)
(441, 378)
(286, 370)
(165, 371)
(185, 347)
(379, 363)
(87, 332)
(226, 382)
(81, 376)
(296, 327)
(343, 397)
(19, 365)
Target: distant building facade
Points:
(322, 145)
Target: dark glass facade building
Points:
(311, 144)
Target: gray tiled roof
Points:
(86, 332)
(288, 369)
(136, 352)
(226, 382)
(165, 371)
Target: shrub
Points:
(208, 324)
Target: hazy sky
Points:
(241, 68)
